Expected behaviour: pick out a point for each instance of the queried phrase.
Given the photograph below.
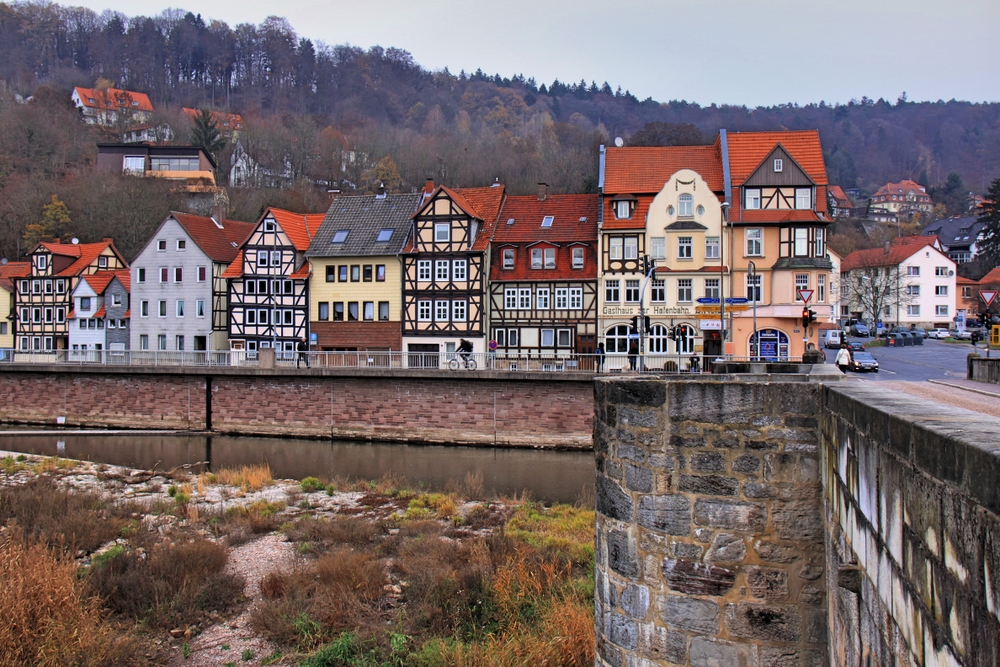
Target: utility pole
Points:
(648, 267)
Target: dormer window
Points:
(340, 236)
(550, 258)
(102, 262)
(508, 258)
(442, 232)
(84, 303)
(536, 258)
(779, 165)
(269, 226)
(623, 209)
(751, 198)
(384, 235)
(577, 258)
(547, 221)
(91, 100)
(685, 206)
(43, 262)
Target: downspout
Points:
(727, 185)
(599, 323)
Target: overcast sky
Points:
(753, 52)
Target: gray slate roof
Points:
(949, 231)
(363, 216)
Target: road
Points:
(934, 360)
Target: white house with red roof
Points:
(106, 106)
(99, 319)
(900, 200)
(543, 277)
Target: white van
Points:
(831, 338)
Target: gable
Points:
(790, 174)
(444, 203)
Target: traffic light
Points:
(672, 333)
(808, 317)
(682, 334)
(647, 324)
(635, 323)
(976, 337)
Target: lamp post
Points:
(722, 278)
(752, 274)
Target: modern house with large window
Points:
(445, 270)
(180, 301)
(543, 276)
(354, 290)
(269, 284)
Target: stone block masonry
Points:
(710, 525)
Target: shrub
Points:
(428, 505)
(340, 530)
(311, 485)
(248, 478)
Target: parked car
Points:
(919, 330)
(855, 346)
(963, 334)
(831, 338)
(860, 330)
(939, 334)
(863, 361)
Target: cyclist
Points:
(464, 350)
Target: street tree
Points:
(874, 284)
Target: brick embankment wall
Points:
(913, 519)
(709, 523)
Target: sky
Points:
(751, 52)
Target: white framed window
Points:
(685, 247)
(262, 258)
(941, 311)
(48, 315)
(615, 244)
(48, 287)
(684, 290)
(441, 310)
(801, 242)
(143, 341)
(423, 270)
(510, 298)
(657, 247)
(162, 308)
(685, 206)
(102, 262)
(913, 309)
(178, 274)
(524, 298)
(60, 315)
(275, 258)
(442, 232)
(536, 258)
(508, 258)
(564, 338)
(199, 308)
(658, 291)
(751, 199)
(550, 258)
(269, 226)
(144, 308)
(913, 270)
(542, 298)
(913, 290)
(754, 288)
(181, 245)
(941, 290)
(134, 164)
(712, 247)
(548, 338)
(622, 209)
(820, 242)
(458, 310)
(180, 308)
(116, 299)
(779, 165)
(712, 288)
(513, 335)
(940, 270)
(164, 274)
(140, 275)
(801, 283)
(612, 291)
(562, 298)
(632, 291)
(631, 247)
(755, 242)
(441, 270)
(576, 298)
(424, 310)
(36, 315)
(803, 198)
(36, 286)
(202, 274)
(161, 342)
(821, 288)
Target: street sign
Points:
(805, 295)
(710, 299)
(492, 345)
(735, 308)
(987, 296)
(736, 299)
(710, 325)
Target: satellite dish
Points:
(619, 142)
(3, 262)
(75, 241)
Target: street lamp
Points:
(722, 278)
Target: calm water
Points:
(550, 476)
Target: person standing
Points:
(303, 349)
(633, 353)
(843, 359)
(599, 357)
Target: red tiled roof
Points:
(638, 169)
(959, 280)
(840, 196)
(748, 149)
(900, 250)
(991, 278)
(902, 188)
(566, 211)
(101, 98)
(214, 241)
(300, 227)
(13, 270)
(303, 272)
(703, 269)
(99, 281)
(101, 312)
(225, 122)
(72, 314)
(128, 314)
(235, 269)
(481, 203)
(761, 216)
(564, 262)
(638, 219)
(85, 252)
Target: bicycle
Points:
(456, 363)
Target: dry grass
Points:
(431, 505)
(47, 619)
(560, 529)
(324, 533)
(247, 478)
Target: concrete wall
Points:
(709, 523)
(912, 500)
(983, 369)
(485, 408)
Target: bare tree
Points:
(876, 287)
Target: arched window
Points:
(687, 346)
(685, 205)
(773, 344)
(658, 339)
(616, 339)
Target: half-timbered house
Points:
(445, 270)
(44, 297)
(9, 272)
(269, 283)
(543, 276)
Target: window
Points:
(384, 236)
(803, 198)
(179, 343)
(424, 270)
(632, 291)
(508, 258)
(116, 299)
(845, 311)
(36, 287)
(616, 339)
(685, 206)
(913, 310)
(966, 292)
(779, 164)
(85, 303)
(338, 311)
(821, 288)
(48, 314)
(657, 247)
(755, 242)
(941, 311)
(199, 308)
(458, 270)
(524, 298)
(369, 311)
(712, 288)
(547, 221)
(181, 245)
(576, 298)
(458, 310)
(262, 258)
(684, 247)
(331, 273)
(380, 273)
(751, 199)
(352, 311)
(913, 270)
(542, 298)
(162, 305)
(622, 209)
(178, 274)
(941, 290)
(684, 291)
(383, 311)
(48, 287)
(441, 270)
(144, 309)
(25, 315)
(658, 291)
(275, 258)
(512, 337)
(134, 165)
(801, 242)
(820, 237)
(36, 315)
(143, 341)
(177, 164)
(941, 271)
(161, 245)
(615, 244)
(269, 226)
(631, 247)
(913, 290)
(578, 258)
(801, 283)
(550, 258)
(712, 246)
(161, 342)
(180, 309)
(60, 286)
(753, 288)
(324, 311)
(367, 273)
(61, 315)
(340, 236)
(355, 273)
(510, 298)
(564, 338)
(164, 274)
(562, 298)
(202, 274)
(845, 289)
(441, 308)
(442, 232)
(536, 258)
(611, 290)
(548, 337)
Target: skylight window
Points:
(384, 235)
(547, 221)
(339, 237)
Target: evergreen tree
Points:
(205, 133)
(989, 248)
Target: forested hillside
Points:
(325, 114)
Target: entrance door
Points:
(769, 344)
(423, 355)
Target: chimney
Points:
(380, 193)
(886, 247)
(429, 186)
(218, 213)
(332, 195)
(543, 191)
(55, 240)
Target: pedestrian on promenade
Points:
(633, 353)
(843, 358)
(599, 357)
(303, 350)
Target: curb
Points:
(958, 386)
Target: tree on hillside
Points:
(953, 194)
(55, 221)
(989, 247)
(668, 134)
(205, 133)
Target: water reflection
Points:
(551, 476)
